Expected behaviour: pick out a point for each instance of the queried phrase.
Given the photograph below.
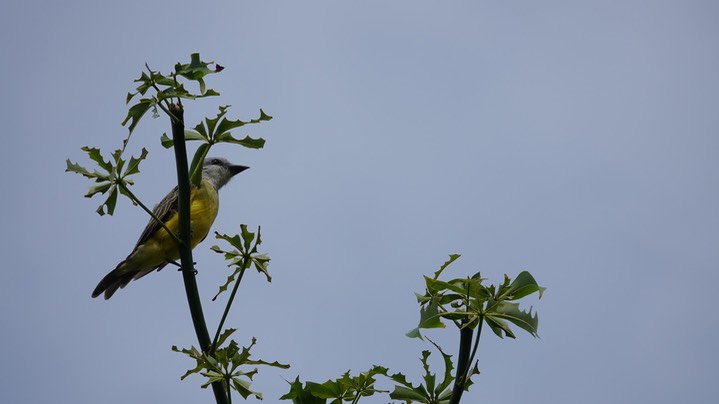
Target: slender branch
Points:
(476, 343)
(169, 107)
(227, 307)
(167, 110)
(149, 212)
(188, 270)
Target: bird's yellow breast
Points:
(204, 204)
(160, 247)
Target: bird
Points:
(156, 248)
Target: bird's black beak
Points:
(236, 169)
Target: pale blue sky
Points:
(576, 140)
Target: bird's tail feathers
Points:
(111, 282)
(118, 278)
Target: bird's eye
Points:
(216, 162)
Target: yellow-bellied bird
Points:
(156, 248)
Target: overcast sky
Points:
(577, 140)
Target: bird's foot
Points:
(179, 266)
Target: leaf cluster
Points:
(224, 366)
(430, 391)
(468, 301)
(167, 88)
(345, 388)
(243, 256)
(350, 389)
(113, 177)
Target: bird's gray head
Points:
(219, 171)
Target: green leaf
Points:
(133, 166)
(167, 142)
(192, 135)
(231, 278)
(328, 389)
(452, 258)
(243, 387)
(448, 367)
(429, 377)
(197, 164)
(247, 238)
(263, 116)
(261, 263)
(211, 123)
(247, 142)
(174, 91)
(499, 326)
(109, 205)
(435, 286)
(137, 111)
(301, 395)
(195, 70)
(428, 318)
(99, 189)
(145, 84)
(406, 394)
(78, 169)
(223, 336)
(523, 285)
(511, 312)
(96, 156)
(430, 392)
(226, 124)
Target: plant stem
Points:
(185, 246)
(227, 307)
(463, 361)
(476, 342)
(465, 346)
(134, 198)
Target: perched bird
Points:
(156, 248)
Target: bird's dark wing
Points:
(163, 211)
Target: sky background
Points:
(578, 140)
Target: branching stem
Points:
(465, 345)
(229, 304)
(188, 270)
(476, 343)
(463, 358)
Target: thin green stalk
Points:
(476, 343)
(167, 111)
(134, 198)
(229, 304)
(188, 270)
